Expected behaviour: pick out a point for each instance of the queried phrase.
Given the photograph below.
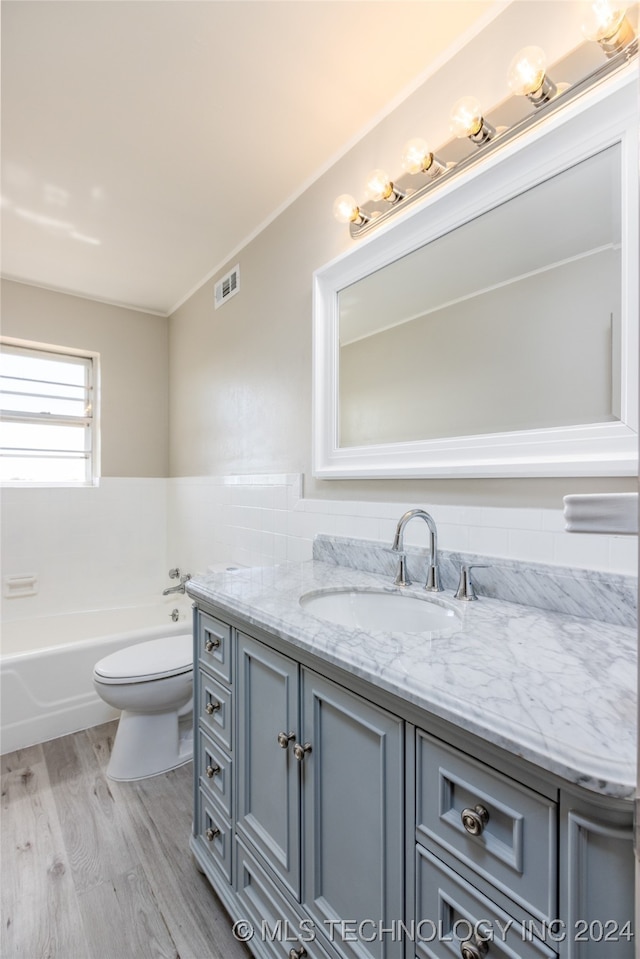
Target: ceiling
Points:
(143, 141)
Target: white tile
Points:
(279, 548)
(583, 550)
(623, 554)
(452, 537)
(553, 520)
(535, 546)
(299, 550)
(509, 518)
(493, 542)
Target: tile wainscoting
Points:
(99, 547)
(262, 520)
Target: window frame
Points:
(91, 420)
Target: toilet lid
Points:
(144, 662)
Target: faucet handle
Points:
(174, 573)
(465, 590)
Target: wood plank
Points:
(122, 919)
(94, 832)
(40, 914)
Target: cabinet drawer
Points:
(276, 923)
(214, 647)
(449, 912)
(514, 848)
(215, 709)
(214, 833)
(215, 771)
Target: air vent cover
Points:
(228, 286)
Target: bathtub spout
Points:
(180, 588)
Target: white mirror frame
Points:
(606, 115)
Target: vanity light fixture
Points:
(417, 157)
(466, 120)
(608, 26)
(380, 187)
(527, 76)
(346, 210)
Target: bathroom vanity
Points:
(367, 794)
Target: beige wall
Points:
(240, 377)
(133, 350)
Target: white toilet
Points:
(152, 683)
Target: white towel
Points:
(601, 513)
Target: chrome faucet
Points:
(180, 588)
(433, 577)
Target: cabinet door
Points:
(352, 788)
(268, 811)
(597, 881)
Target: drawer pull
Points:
(212, 770)
(474, 820)
(284, 739)
(211, 707)
(211, 833)
(473, 950)
(297, 953)
(300, 751)
(211, 644)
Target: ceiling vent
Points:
(228, 286)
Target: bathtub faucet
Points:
(180, 588)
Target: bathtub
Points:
(46, 666)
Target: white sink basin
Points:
(380, 610)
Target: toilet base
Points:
(148, 744)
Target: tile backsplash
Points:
(112, 544)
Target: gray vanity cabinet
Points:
(320, 793)
(325, 819)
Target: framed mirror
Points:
(493, 330)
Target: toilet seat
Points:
(146, 662)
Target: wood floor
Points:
(93, 869)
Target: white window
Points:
(47, 415)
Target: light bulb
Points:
(601, 21)
(527, 77)
(417, 157)
(345, 209)
(526, 71)
(608, 26)
(380, 187)
(466, 118)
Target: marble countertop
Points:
(557, 690)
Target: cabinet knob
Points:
(474, 950)
(211, 644)
(212, 770)
(474, 820)
(211, 833)
(300, 751)
(284, 739)
(297, 953)
(211, 707)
